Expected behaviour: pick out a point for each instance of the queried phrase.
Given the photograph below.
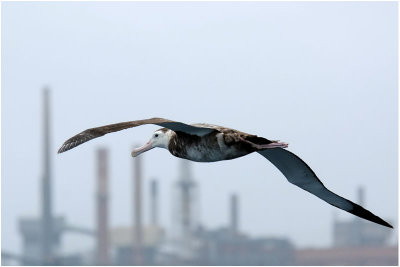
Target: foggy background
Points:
(319, 76)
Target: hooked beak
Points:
(140, 150)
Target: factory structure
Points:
(355, 242)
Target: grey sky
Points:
(320, 76)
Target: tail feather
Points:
(258, 140)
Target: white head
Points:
(160, 138)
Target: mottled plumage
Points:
(207, 143)
(214, 146)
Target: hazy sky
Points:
(320, 76)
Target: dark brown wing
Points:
(92, 133)
(299, 173)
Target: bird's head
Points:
(160, 138)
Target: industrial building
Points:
(355, 242)
(122, 244)
(359, 232)
(42, 235)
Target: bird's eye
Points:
(156, 135)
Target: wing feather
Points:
(299, 173)
(92, 133)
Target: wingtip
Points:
(381, 222)
(388, 225)
(366, 214)
(62, 149)
(384, 223)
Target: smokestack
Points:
(137, 227)
(361, 196)
(47, 217)
(234, 214)
(154, 202)
(102, 208)
(186, 186)
(359, 231)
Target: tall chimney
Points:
(137, 212)
(47, 217)
(187, 201)
(154, 202)
(234, 214)
(359, 231)
(102, 208)
(361, 195)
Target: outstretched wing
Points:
(92, 133)
(299, 173)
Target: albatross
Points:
(208, 143)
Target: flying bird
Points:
(208, 143)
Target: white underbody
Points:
(203, 152)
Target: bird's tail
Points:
(260, 143)
(275, 144)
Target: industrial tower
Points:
(186, 202)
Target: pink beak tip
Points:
(140, 150)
